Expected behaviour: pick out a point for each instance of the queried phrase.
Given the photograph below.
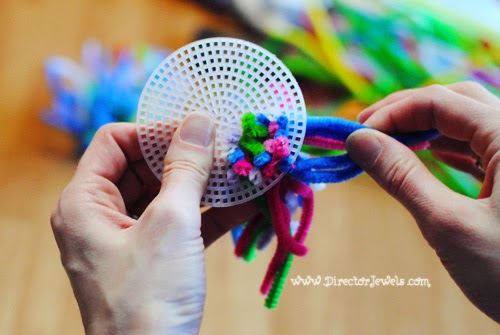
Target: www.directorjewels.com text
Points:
(354, 281)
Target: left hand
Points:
(132, 248)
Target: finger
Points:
(218, 221)
(174, 216)
(149, 193)
(491, 185)
(453, 114)
(92, 191)
(461, 162)
(446, 144)
(136, 178)
(391, 98)
(131, 188)
(475, 91)
(104, 162)
(399, 171)
(469, 89)
(112, 149)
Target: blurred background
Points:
(69, 66)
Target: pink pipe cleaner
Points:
(330, 144)
(280, 217)
(282, 225)
(324, 143)
(281, 221)
(421, 146)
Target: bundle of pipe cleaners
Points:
(374, 48)
(263, 149)
(103, 88)
(369, 49)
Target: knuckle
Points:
(399, 177)
(167, 209)
(67, 209)
(57, 220)
(471, 86)
(177, 213)
(489, 146)
(427, 93)
(436, 88)
(187, 168)
(433, 93)
(170, 216)
(492, 156)
(105, 130)
(73, 265)
(105, 133)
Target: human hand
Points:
(132, 247)
(464, 232)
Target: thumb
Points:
(397, 170)
(188, 161)
(174, 215)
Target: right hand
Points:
(464, 232)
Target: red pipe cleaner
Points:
(251, 228)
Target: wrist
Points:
(145, 321)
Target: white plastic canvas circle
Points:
(224, 78)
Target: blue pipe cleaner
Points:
(104, 87)
(263, 120)
(417, 137)
(326, 176)
(339, 129)
(282, 121)
(329, 163)
(262, 159)
(236, 155)
(336, 169)
(285, 164)
(331, 127)
(266, 237)
(236, 232)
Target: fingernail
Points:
(364, 147)
(197, 129)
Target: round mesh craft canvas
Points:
(224, 78)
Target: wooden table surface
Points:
(358, 231)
